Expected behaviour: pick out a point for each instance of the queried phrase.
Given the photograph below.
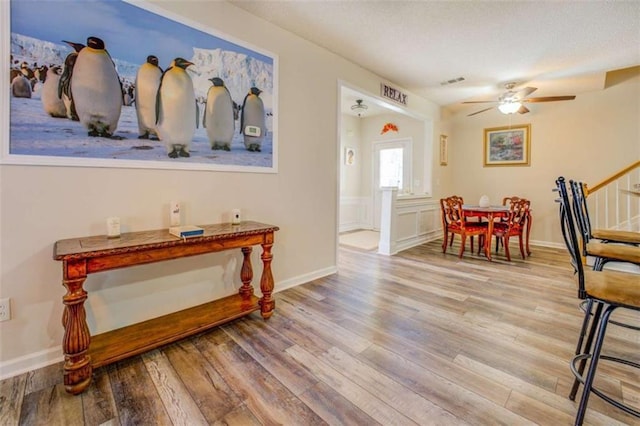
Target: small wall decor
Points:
(115, 124)
(349, 156)
(444, 150)
(389, 127)
(507, 146)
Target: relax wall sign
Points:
(393, 94)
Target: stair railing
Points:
(614, 203)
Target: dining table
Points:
(490, 213)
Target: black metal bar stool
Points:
(605, 290)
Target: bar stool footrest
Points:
(602, 395)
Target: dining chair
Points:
(607, 291)
(454, 222)
(508, 201)
(446, 220)
(514, 225)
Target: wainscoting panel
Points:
(418, 221)
(355, 213)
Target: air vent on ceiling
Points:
(453, 80)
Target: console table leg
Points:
(75, 344)
(267, 304)
(246, 274)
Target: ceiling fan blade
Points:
(550, 99)
(526, 91)
(479, 102)
(478, 112)
(523, 110)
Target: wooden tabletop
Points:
(485, 209)
(99, 244)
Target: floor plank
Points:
(11, 399)
(180, 407)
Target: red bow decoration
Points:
(387, 127)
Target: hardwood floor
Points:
(418, 338)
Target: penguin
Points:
(96, 89)
(176, 109)
(13, 74)
(64, 85)
(218, 115)
(252, 120)
(21, 87)
(145, 92)
(51, 102)
(41, 73)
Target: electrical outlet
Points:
(5, 309)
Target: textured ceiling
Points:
(560, 47)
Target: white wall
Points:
(589, 139)
(39, 205)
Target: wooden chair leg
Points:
(506, 247)
(462, 243)
(522, 247)
(446, 241)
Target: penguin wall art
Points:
(146, 89)
(219, 116)
(131, 87)
(96, 89)
(176, 109)
(253, 120)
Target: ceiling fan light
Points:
(509, 107)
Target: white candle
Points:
(113, 227)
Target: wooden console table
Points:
(83, 256)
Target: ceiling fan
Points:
(512, 101)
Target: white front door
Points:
(390, 168)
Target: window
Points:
(391, 165)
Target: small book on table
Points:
(186, 231)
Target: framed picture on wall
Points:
(444, 153)
(507, 146)
(104, 86)
(349, 156)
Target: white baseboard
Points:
(305, 278)
(352, 227)
(547, 244)
(29, 362)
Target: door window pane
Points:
(391, 167)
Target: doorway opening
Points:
(370, 158)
